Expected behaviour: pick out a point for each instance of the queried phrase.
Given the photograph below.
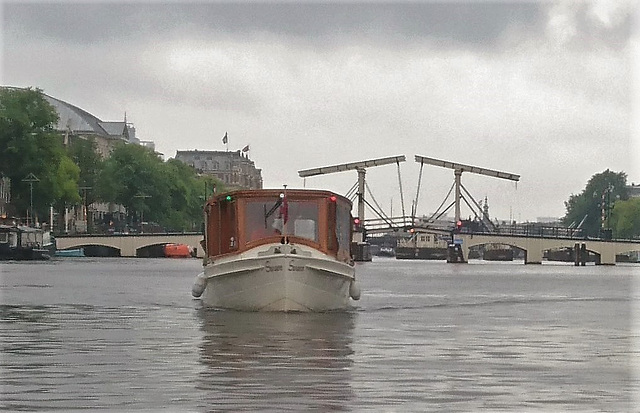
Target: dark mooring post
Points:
(580, 254)
(454, 254)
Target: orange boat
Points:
(178, 251)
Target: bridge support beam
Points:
(456, 254)
(608, 253)
(533, 250)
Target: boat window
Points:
(4, 237)
(305, 228)
(267, 218)
(260, 219)
(303, 219)
(28, 239)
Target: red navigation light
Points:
(412, 230)
(356, 221)
(333, 198)
(459, 224)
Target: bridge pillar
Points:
(607, 253)
(533, 251)
(457, 254)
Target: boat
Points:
(274, 250)
(631, 256)
(178, 251)
(422, 246)
(48, 242)
(74, 252)
(497, 252)
(386, 251)
(22, 243)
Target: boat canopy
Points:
(241, 220)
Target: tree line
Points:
(169, 193)
(604, 207)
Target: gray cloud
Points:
(466, 23)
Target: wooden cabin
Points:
(241, 220)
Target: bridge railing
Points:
(378, 225)
(528, 230)
(406, 223)
(128, 234)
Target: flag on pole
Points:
(284, 209)
(245, 149)
(225, 139)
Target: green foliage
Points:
(625, 219)
(168, 193)
(29, 145)
(130, 177)
(84, 154)
(588, 204)
(65, 184)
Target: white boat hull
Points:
(278, 277)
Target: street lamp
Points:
(85, 206)
(143, 196)
(31, 178)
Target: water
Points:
(125, 334)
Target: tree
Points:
(625, 219)
(84, 154)
(602, 191)
(30, 145)
(188, 192)
(131, 177)
(167, 193)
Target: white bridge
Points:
(128, 245)
(535, 247)
(534, 240)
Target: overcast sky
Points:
(541, 89)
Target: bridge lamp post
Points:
(143, 197)
(84, 204)
(31, 178)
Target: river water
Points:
(125, 334)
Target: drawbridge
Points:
(534, 239)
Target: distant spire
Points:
(125, 117)
(486, 208)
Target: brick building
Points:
(234, 169)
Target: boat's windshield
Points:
(265, 218)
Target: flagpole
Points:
(225, 140)
(285, 204)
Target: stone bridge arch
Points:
(129, 244)
(534, 247)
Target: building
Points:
(77, 123)
(234, 169)
(634, 190)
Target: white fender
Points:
(354, 290)
(199, 284)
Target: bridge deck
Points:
(129, 244)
